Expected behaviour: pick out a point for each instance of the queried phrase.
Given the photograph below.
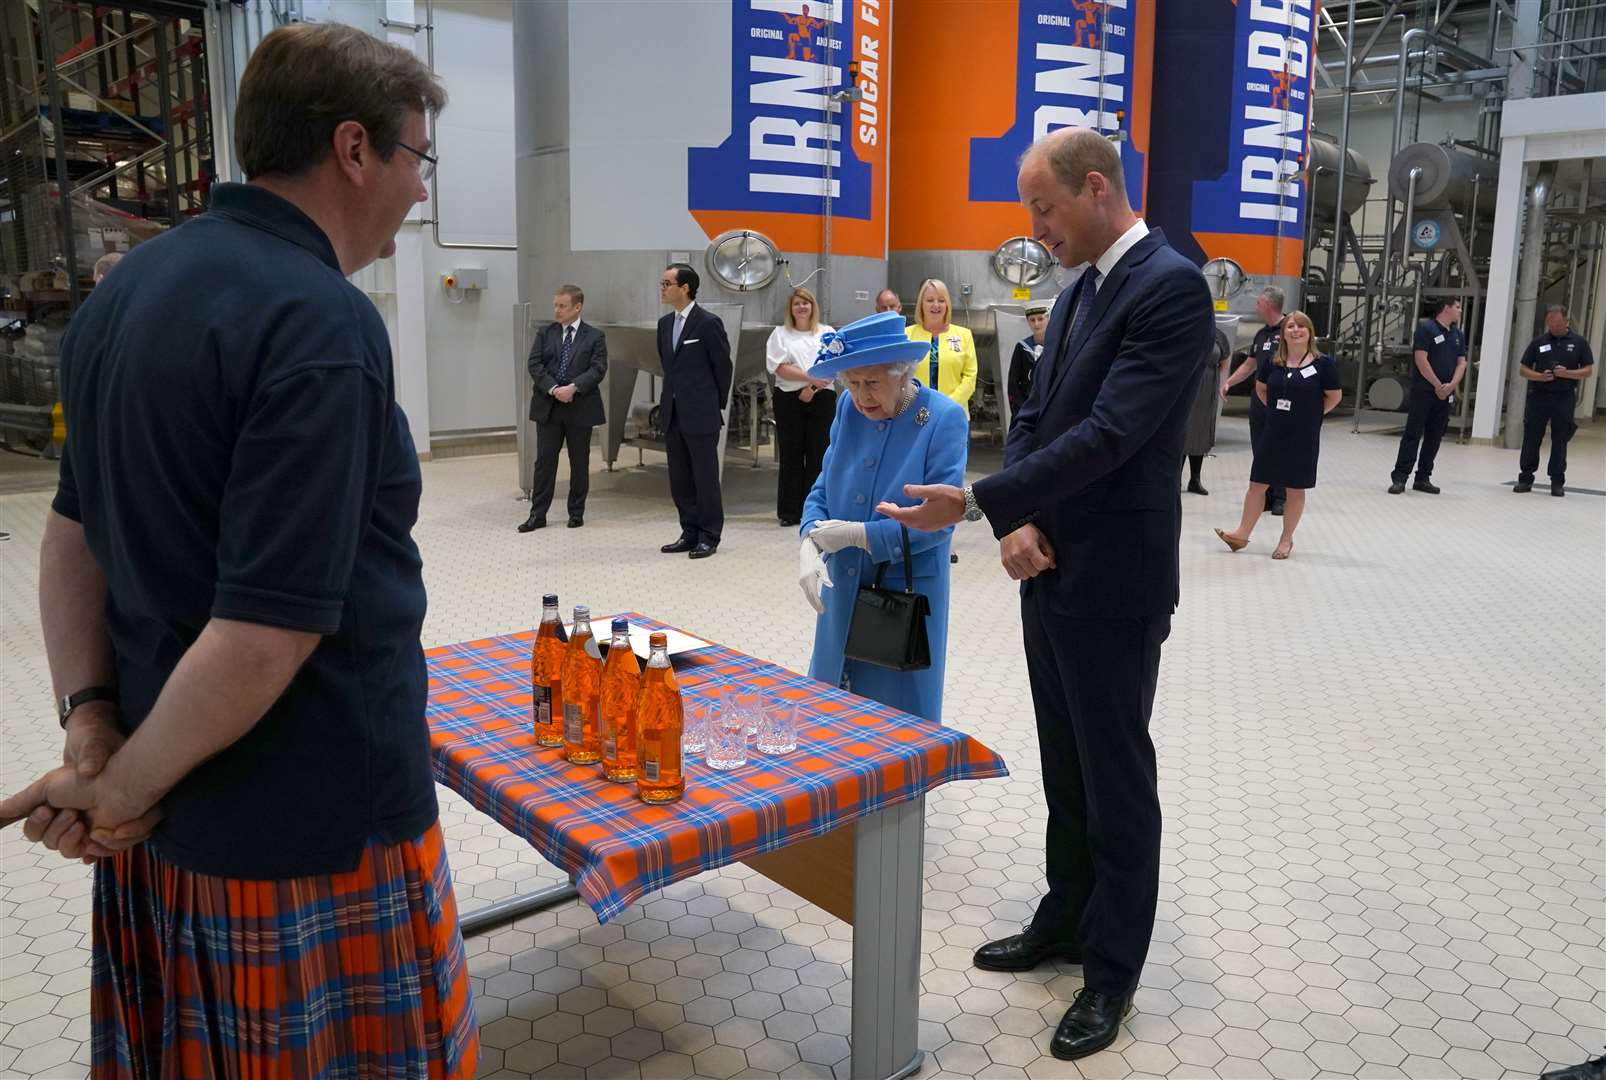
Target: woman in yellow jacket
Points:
(953, 350)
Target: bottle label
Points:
(543, 705)
(572, 727)
(610, 747)
(650, 769)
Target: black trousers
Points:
(1557, 411)
(1093, 686)
(1425, 423)
(1257, 424)
(694, 484)
(549, 439)
(802, 432)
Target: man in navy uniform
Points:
(1439, 356)
(1554, 364)
(1088, 511)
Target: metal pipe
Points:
(1573, 275)
(1469, 316)
(69, 249)
(1528, 285)
(435, 177)
(1410, 212)
(1333, 259)
(164, 91)
(1382, 25)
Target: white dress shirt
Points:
(789, 346)
(1114, 253)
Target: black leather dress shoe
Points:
(1196, 488)
(576, 522)
(678, 547)
(1397, 487)
(1558, 490)
(1522, 487)
(532, 523)
(1090, 1024)
(789, 523)
(1425, 486)
(702, 551)
(1276, 507)
(1024, 951)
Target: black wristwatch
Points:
(83, 697)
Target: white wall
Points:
(470, 344)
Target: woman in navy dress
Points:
(1299, 387)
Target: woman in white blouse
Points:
(804, 407)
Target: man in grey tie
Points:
(567, 363)
(696, 357)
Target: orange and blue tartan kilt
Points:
(358, 974)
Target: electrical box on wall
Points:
(466, 278)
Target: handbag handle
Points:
(908, 564)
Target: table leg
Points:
(888, 883)
(505, 911)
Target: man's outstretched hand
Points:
(941, 505)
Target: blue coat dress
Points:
(868, 462)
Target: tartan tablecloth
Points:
(854, 757)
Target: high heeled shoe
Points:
(1232, 541)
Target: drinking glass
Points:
(726, 738)
(777, 727)
(750, 707)
(694, 725)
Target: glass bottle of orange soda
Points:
(582, 685)
(659, 724)
(621, 685)
(546, 674)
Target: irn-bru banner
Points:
(768, 174)
(1228, 177)
(980, 81)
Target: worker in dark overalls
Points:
(1554, 364)
(1257, 365)
(1439, 361)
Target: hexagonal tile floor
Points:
(1380, 766)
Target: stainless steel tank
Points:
(623, 167)
(1448, 180)
(1322, 168)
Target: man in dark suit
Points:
(1088, 512)
(696, 355)
(567, 362)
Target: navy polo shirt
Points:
(1444, 346)
(234, 450)
(1264, 351)
(1548, 351)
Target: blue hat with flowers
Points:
(872, 341)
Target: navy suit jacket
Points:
(697, 375)
(1094, 458)
(587, 365)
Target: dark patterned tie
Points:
(1084, 304)
(1050, 363)
(565, 355)
(932, 358)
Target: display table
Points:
(840, 820)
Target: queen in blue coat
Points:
(889, 431)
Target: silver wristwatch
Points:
(972, 511)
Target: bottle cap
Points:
(581, 611)
(621, 626)
(658, 640)
(550, 600)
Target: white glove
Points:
(831, 535)
(811, 575)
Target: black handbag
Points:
(888, 628)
